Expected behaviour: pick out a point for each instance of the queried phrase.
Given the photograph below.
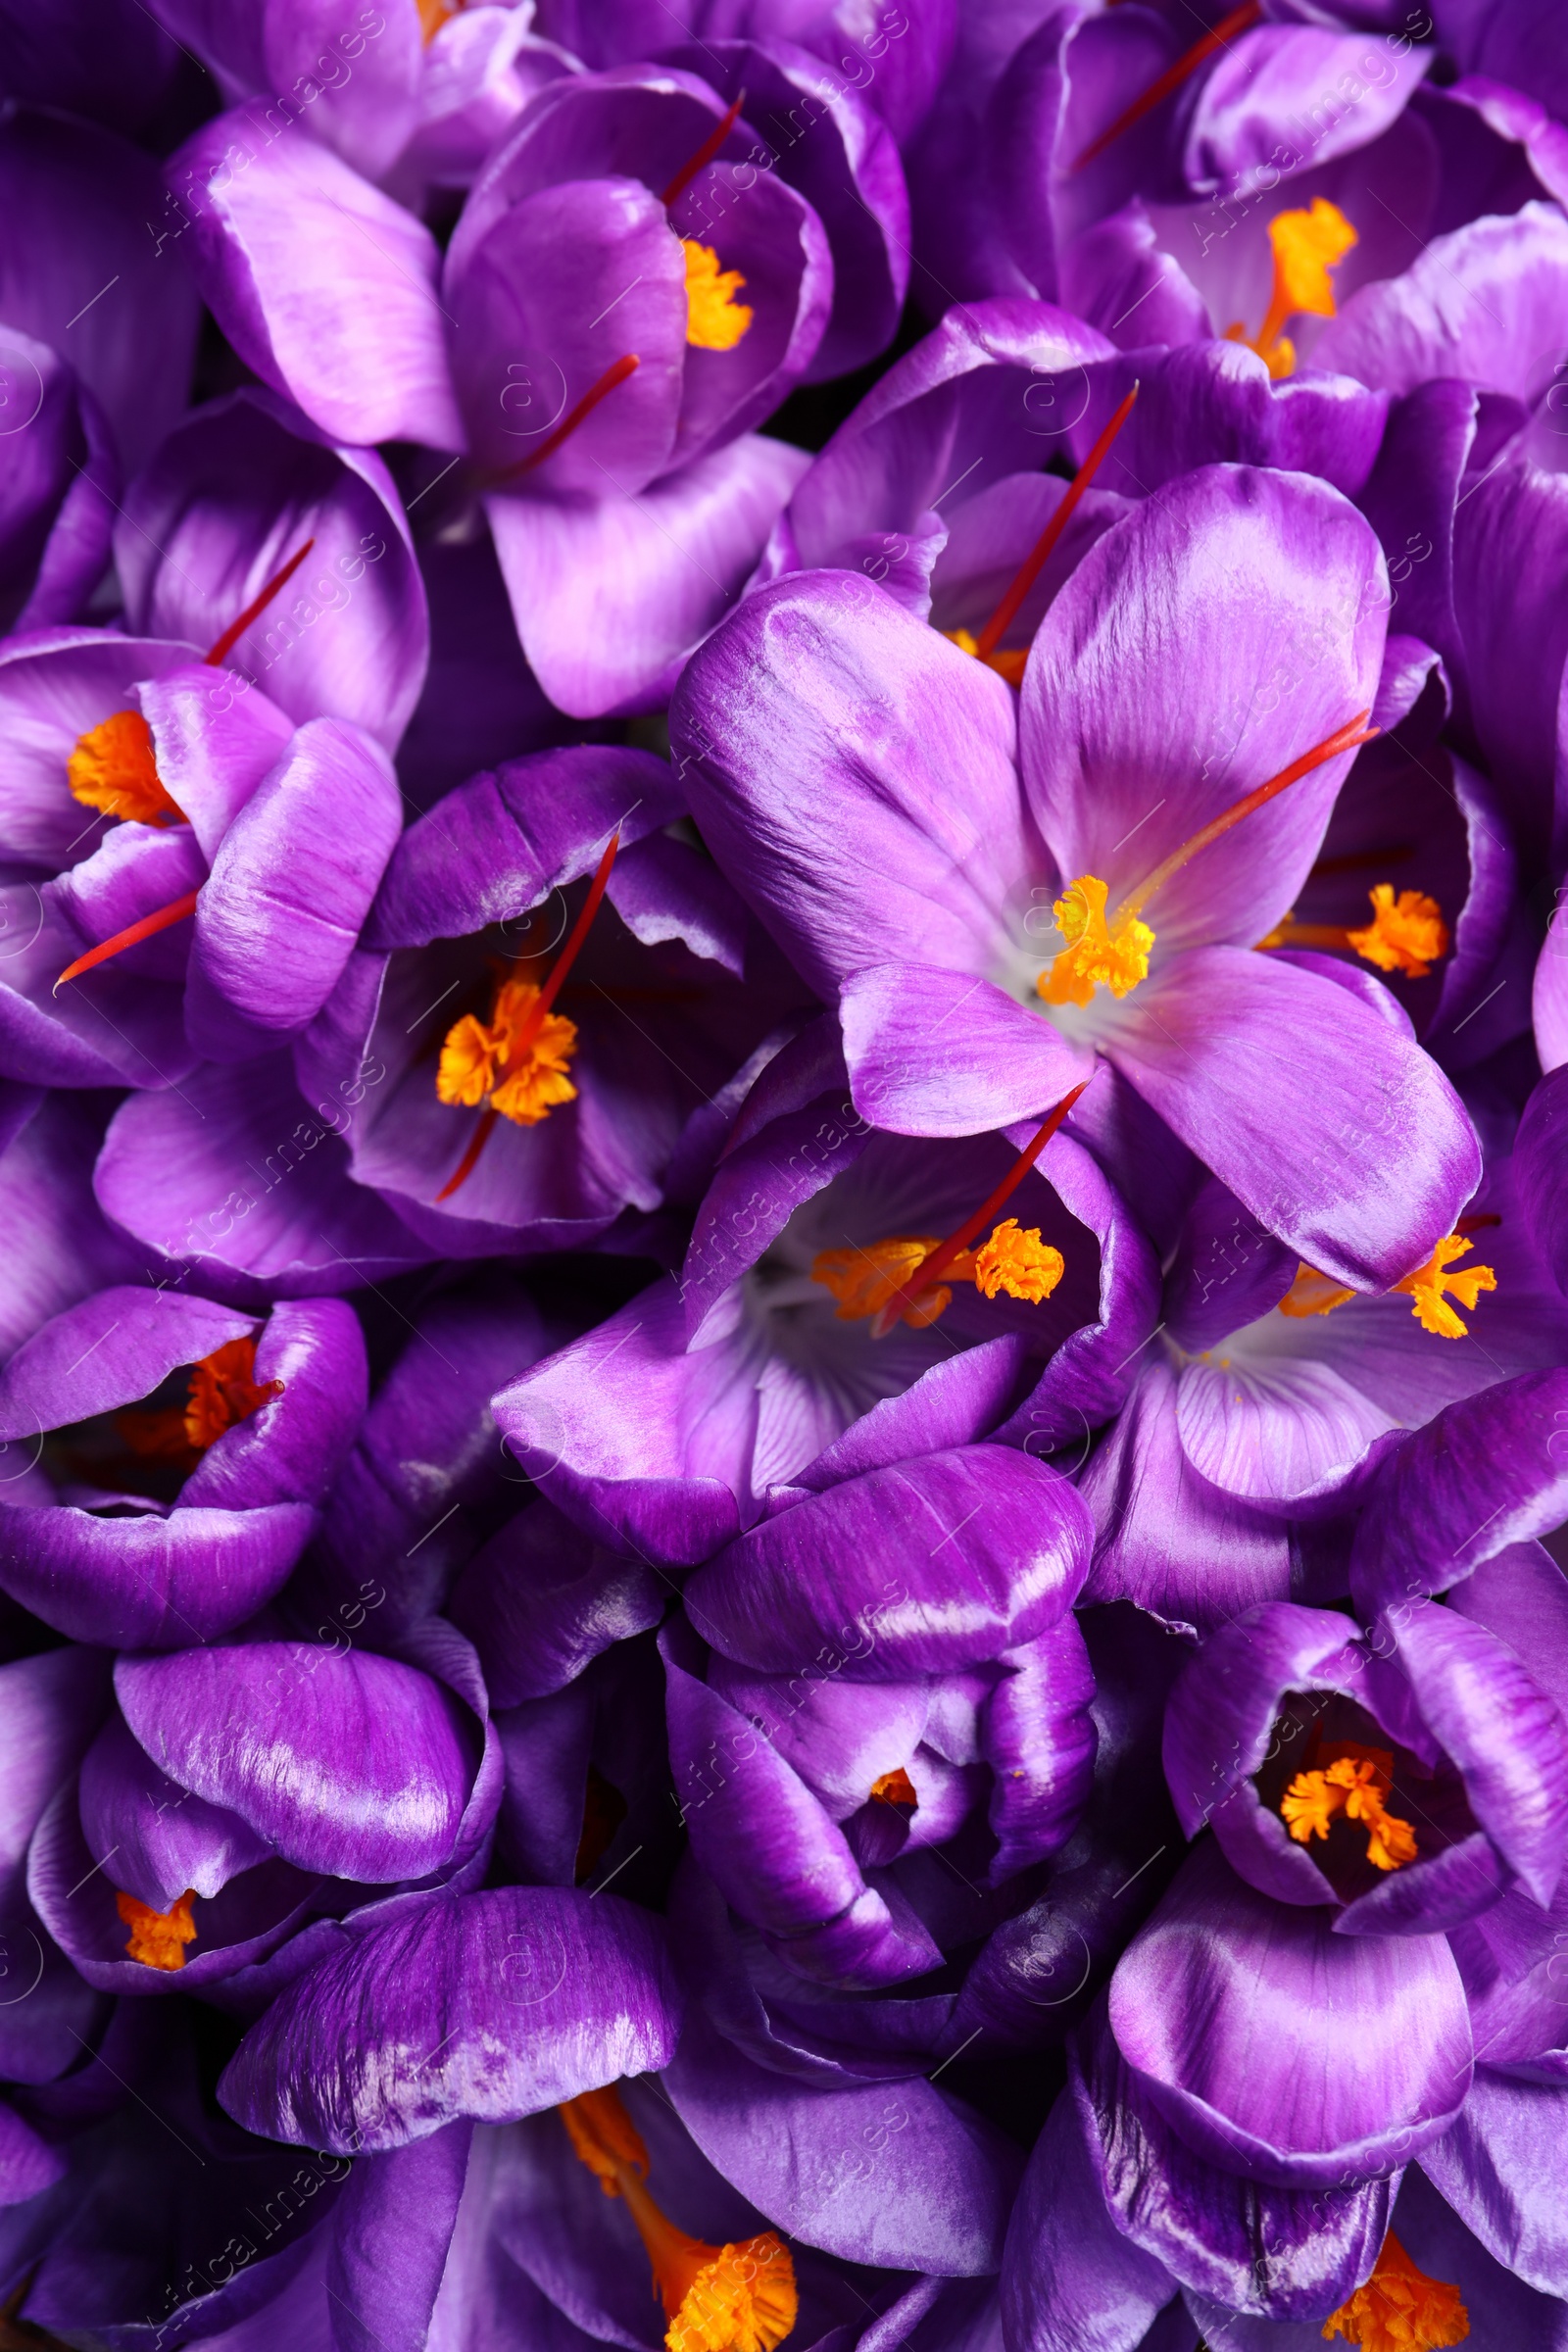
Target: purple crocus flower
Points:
(762, 1378)
(1166, 682)
(589, 350)
(236, 1796)
(1272, 1394)
(153, 1525)
(490, 1119)
(894, 57)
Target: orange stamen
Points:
(991, 636)
(615, 373)
(1240, 20)
(132, 936)
(157, 1938)
(529, 1028)
(223, 1391)
(929, 1272)
(236, 629)
(706, 153)
(1354, 1781)
(895, 1788)
(731, 2298)
(1399, 2309)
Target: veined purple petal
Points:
(113, 1348)
(1230, 2008)
(147, 1582)
(154, 1837)
(346, 1763)
(493, 2005)
(919, 1568)
(1498, 2168)
(1069, 2276)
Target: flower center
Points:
(223, 1392)
(1354, 1781)
(1428, 1288)
(1400, 2309)
(1407, 934)
(714, 319)
(732, 2298)
(490, 1063)
(901, 1279)
(517, 1065)
(1114, 949)
(157, 1938)
(113, 769)
(1307, 245)
(895, 1788)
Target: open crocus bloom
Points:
(788, 1358)
(996, 898)
(1272, 1393)
(173, 1520)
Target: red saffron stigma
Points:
(615, 373)
(1240, 20)
(1343, 739)
(1034, 562)
(531, 1027)
(705, 152)
(932, 1267)
(175, 912)
(236, 629)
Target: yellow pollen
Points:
(1094, 953)
(895, 1788)
(1430, 1286)
(731, 2298)
(864, 1279)
(714, 319)
(1020, 1263)
(1306, 246)
(223, 1392)
(1355, 1783)
(1400, 2309)
(157, 1938)
(1314, 1293)
(1407, 934)
(476, 1059)
(1010, 661)
(113, 769)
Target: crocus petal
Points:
(929, 1565)
(770, 1848)
(1496, 2168)
(1275, 1433)
(1482, 1474)
(934, 1052)
(1220, 1716)
(1040, 1740)
(1271, 78)
(821, 691)
(161, 1838)
(1216, 1043)
(1228, 2007)
(1540, 1149)
(1279, 2253)
(212, 742)
(290, 1449)
(28, 2165)
(93, 278)
(52, 1703)
(392, 2235)
(1188, 1552)
(938, 2203)
(149, 1582)
(493, 2005)
(541, 1601)
(336, 78)
(1209, 596)
(667, 562)
(230, 497)
(1484, 303)
(323, 284)
(113, 1348)
(53, 689)
(347, 1763)
(1069, 2277)
(225, 1172)
(291, 884)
